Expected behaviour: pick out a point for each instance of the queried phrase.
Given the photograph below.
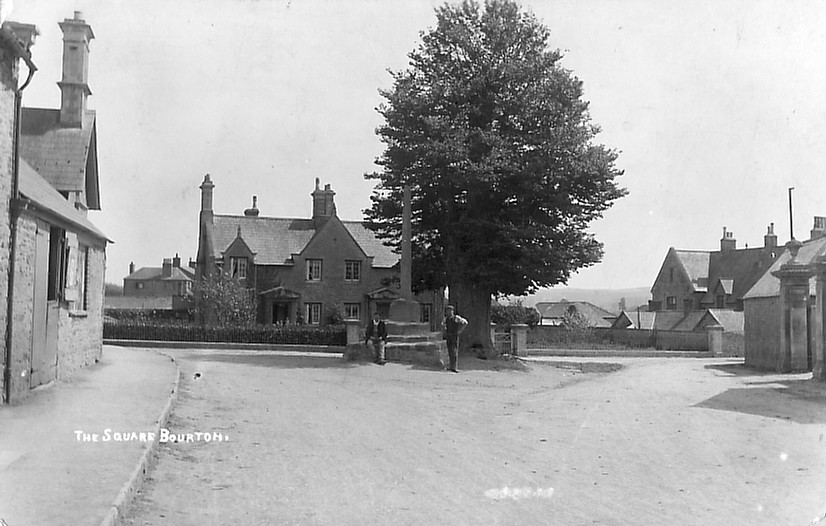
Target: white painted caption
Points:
(163, 436)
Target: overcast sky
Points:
(716, 106)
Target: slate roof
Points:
(689, 321)
(631, 319)
(275, 239)
(731, 320)
(156, 273)
(557, 310)
(695, 263)
(768, 286)
(61, 154)
(38, 190)
(738, 270)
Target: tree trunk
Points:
(473, 303)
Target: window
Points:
(352, 311)
(313, 313)
(313, 270)
(82, 259)
(671, 274)
(352, 270)
(426, 312)
(58, 260)
(671, 303)
(721, 301)
(238, 267)
(139, 285)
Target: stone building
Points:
(168, 280)
(766, 304)
(53, 269)
(302, 268)
(696, 280)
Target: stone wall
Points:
(762, 332)
(8, 83)
(22, 315)
(80, 333)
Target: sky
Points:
(717, 107)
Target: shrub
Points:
(190, 332)
(507, 315)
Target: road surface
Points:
(314, 440)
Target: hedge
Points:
(189, 332)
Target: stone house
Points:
(302, 268)
(168, 280)
(764, 305)
(53, 268)
(696, 280)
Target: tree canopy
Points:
(495, 140)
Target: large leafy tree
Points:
(493, 137)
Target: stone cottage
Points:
(696, 280)
(53, 268)
(302, 268)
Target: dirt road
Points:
(316, 441)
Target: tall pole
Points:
(406, 263)
(791, 214)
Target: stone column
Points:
(794, 299)
(353, 331)
(715, 339)
(819, 320)
(519, 339)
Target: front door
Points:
(44, 315)
(280, 312)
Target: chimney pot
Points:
(206, 194)
(176, 261)
(132, 267)
(728, 242)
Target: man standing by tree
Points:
(492, 136)
(453, 327)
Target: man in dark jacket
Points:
(376, 334)
(453, 326)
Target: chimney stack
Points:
(74, 86)
(819, 228)
(167, 268)
(176, 261)
(206, 194)
(131, 268)
(323, 205)
(252, 212)
(728, 242)
(770, 239)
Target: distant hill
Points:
(607, 299)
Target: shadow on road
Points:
(800, 401)
(738, 369)
(283, 361)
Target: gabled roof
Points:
(635, 320)
(596, 316)
(39, 191)
(695, 263)
(156, 273)
(737, 270)
(65, 156)
(274, 240)
(768, 286)
(732, 321)
(689, 321)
